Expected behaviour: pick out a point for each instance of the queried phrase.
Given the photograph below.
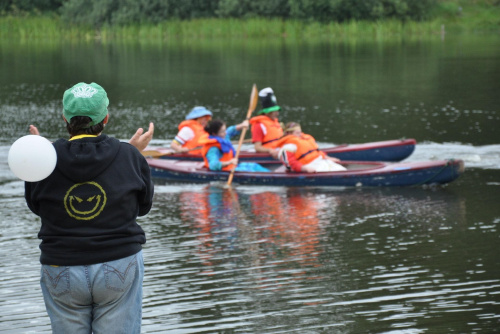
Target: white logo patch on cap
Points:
(84, 91)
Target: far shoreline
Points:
(51, 27)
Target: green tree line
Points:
(123, 12)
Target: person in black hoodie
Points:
(91, 250)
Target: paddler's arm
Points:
(257, 136)
(259, 148)
(185, 135)
(287, 157)
(177, 147)
(235, 130)
(213, 156)
(243, 125)
(296, 166)
(141, 139)
(231, 132)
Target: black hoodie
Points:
(90, 202)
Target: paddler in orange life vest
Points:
(191, 130)
(266, 129)
(218, 152)
(299, 152)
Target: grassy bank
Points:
(452, 16)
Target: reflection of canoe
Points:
(389, 150)
(360, 173)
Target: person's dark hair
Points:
(79, 125)
(213, 126)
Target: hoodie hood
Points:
(83, 159)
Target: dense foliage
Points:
(111, 12)
(29, 5)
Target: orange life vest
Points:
(307, 148)
(273, 130)
(208, 143)
(198, 133)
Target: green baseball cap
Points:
(85, 99)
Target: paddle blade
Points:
(155, 154)
(254, 99)
(164, 152)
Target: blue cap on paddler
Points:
(198, 112)
(268, 101)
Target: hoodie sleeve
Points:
(28, 189)
(146, 196)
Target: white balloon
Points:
(32, 158)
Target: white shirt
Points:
(184, 135)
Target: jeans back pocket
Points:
(119, 274)
(56, 279)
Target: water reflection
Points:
(288, 227)
(266, 243)
(265, 228)
(214, 218)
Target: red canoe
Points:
(389, 150)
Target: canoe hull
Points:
(389, 150)
(365, 174)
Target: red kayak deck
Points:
(389, 150)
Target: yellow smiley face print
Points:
(85, 201)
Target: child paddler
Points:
(191, 130)
(218, 152)
(266, 130)
(299, 152)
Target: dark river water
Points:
(284, 259)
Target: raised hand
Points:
(33, 130)
(141, 139)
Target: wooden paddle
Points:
(157, 154)
(254, 98)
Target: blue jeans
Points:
(98, 298)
